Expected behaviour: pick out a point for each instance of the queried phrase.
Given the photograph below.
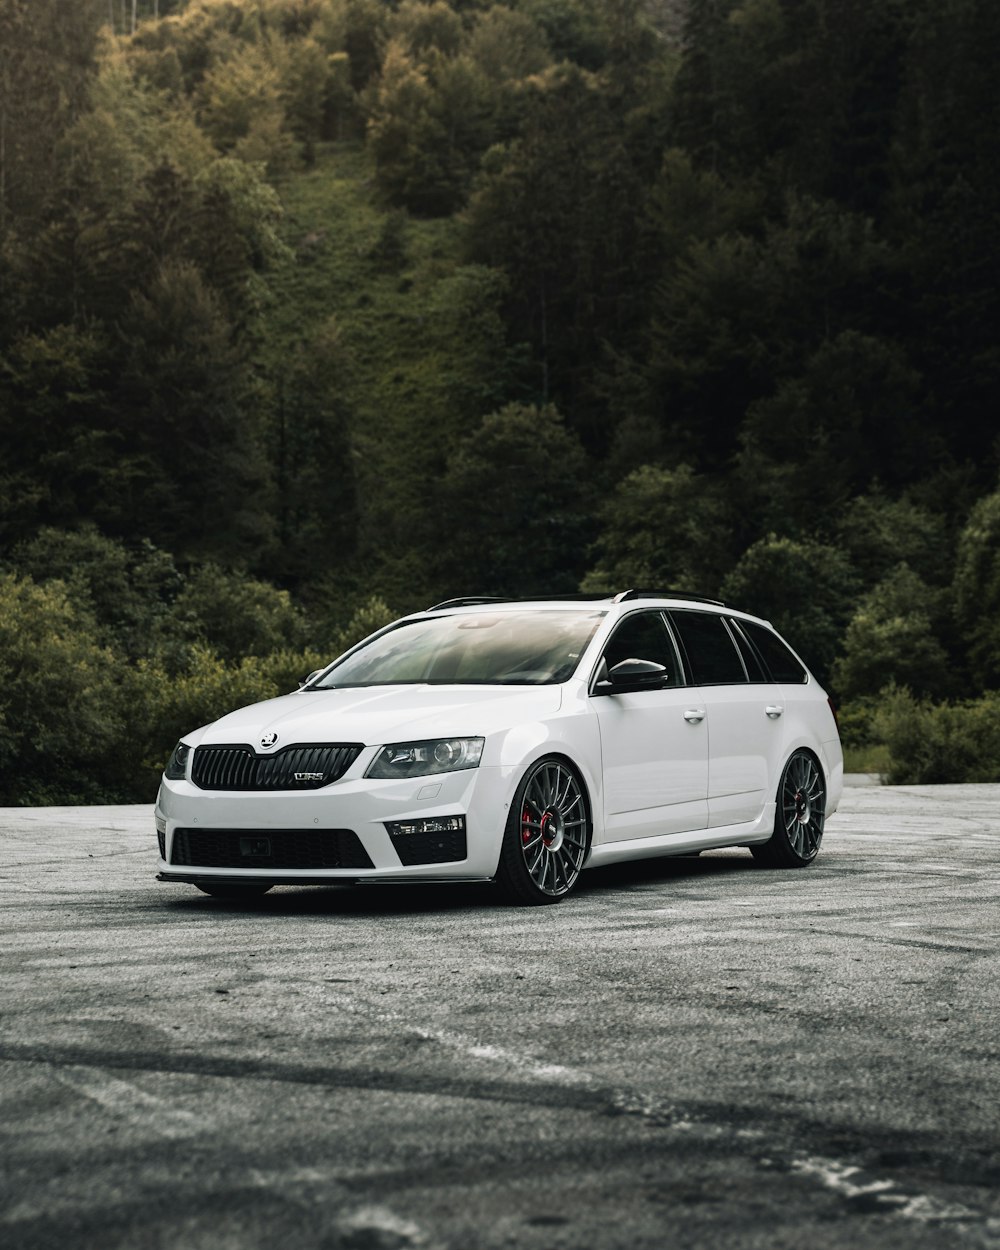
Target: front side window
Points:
(710, 649)
(644, 636)
(489, 648)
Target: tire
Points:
(236, 889)
(799, 816)
(547, 835)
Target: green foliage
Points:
(430, 121)
(356, 28)
(820, 438)
(507, 45)
(662, 527)
(805, 588)
(515, 504)
(891, 640)
(977, 588)
(47, 54)
(232, 615)
(191, 405)
(560, 210)
(240, 93)
(948, 742)
(371, 615)
(174, 703)
(879, 532)
(62, 709)
(127, 590)
(735, 312)
(639, 304)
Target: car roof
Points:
(612, 599)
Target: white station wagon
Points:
(512, 741)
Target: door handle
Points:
(694, 714)
(774, 710)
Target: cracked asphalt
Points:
(687, 1053)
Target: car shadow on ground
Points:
(613, 883)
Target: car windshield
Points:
(516, 648)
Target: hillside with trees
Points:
(313, 312)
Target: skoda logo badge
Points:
(269, 739)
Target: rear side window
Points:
(711, 652)
(755, 670)
(785, 668)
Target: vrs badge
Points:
(310, 776)
(269, 739)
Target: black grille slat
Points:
(238, 767)
(289, 848)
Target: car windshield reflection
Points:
(497, 648)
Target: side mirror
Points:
(631, 675)
(306, 680)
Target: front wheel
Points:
(236, 889)
(799, 817)
(547, 835)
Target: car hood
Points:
(375, 715)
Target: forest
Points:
(315, 312)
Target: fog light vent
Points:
(428, 840)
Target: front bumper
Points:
(361, 806)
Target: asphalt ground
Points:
(687, 1053)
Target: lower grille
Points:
(430, 848)
(161, 837)
(269, 848)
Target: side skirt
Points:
(684, 843)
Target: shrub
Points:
(891, 639)
(806, 589)
(62, 700)
(945, 742)
(232, 615)
(977, 586)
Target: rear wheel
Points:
(236, 889)
(547, 835)
(799, 816)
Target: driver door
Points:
(654, 742)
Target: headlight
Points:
(421, 759)
(176, 769)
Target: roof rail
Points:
(578, 596)
(468, 602)
(626, 595)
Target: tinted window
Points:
(783, 665)
(710, 650)
(751, 661)
(643, 636)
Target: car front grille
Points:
(269, 848)
(306, 767)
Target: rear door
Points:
(744, 714)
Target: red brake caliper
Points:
(525, 826)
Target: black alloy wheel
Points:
(547, 835)
(799, 816)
